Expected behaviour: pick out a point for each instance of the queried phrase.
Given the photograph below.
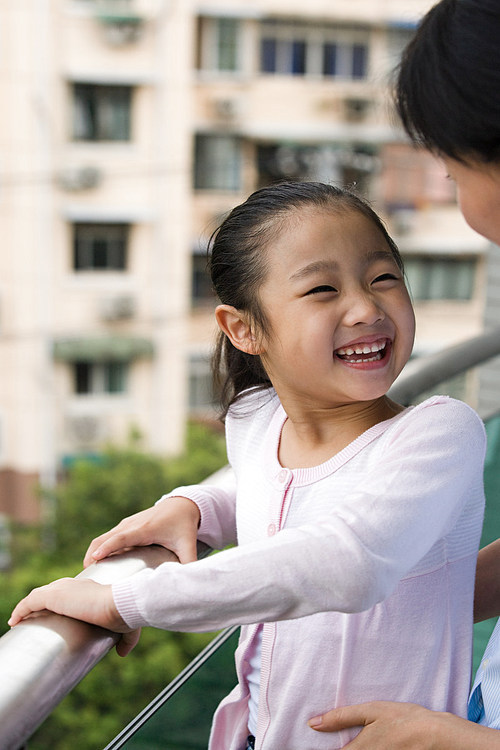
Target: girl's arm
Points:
(413, 495)
(406, 726)
(419, 484)
(487, 590)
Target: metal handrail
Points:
(42, 659)
(423, 373)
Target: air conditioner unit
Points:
(118, 33)
(226, 108)
(356, 109)
(403, 221)
(119, 307)
(86, 429)
(74, 179)
(120, 20)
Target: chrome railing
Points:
(42, 659)
(423, 373)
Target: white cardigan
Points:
(366, 589)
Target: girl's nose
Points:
(363, 308)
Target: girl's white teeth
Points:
(364, 349)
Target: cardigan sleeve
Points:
(428, 476)
(217, 506)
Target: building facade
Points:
(130, 128)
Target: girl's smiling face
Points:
(340, 318)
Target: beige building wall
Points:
(50, 181)
(61, 326)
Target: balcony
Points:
(44, 658)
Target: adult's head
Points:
(448, 97)
(448, 86)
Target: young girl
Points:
(357, 520)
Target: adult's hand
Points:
(487, 590)
(406, 726)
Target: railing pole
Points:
(43, 658)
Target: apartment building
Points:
(130, 128)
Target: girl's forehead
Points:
(334, 226)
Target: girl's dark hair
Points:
(238, 266)
(448, 82)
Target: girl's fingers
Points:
(186, 549)
(78, 598)
(115, 543)
(127, 642)
(36, 601)
(94, 545)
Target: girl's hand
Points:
(81, 599)
(172, 523)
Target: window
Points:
(101, 112)
(219, 44)
(331, 51)
(201, 393)
(347, 166)
(410, 177)
(201, 288)
(359, 58)
(217, 163)
(100, 377)
(440, 278)
(330, 55)
(398, 38)
(100, 247)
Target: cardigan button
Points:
(271, 529)
(283, 476)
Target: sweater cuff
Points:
(124, 599)
(195, 493)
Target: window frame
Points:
(281, 39)
(98, 108)
(212, 45)
(95, 378)
(85, 250)
(219, 171)
(434, 274)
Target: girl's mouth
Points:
(361, 353)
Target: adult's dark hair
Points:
(447, 90)
(238, 267)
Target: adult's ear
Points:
(234, 323)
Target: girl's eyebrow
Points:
(376, 255)
(319, 266)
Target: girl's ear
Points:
(235, 325)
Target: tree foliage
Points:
(94, 495)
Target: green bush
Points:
(95, 494)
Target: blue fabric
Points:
(484, 701)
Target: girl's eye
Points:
(322, 288)
(386, 277)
